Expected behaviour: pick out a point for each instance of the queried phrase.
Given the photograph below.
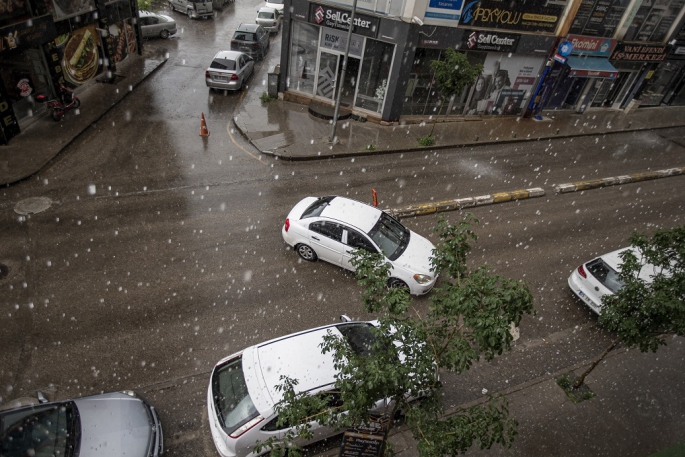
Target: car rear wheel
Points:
(164, 34)
(306, 253)
(189, 13)
(394, 283)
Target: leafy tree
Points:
(452, 75)
(145, 5)
(643, 312)
(469, 317)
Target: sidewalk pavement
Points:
(43, 139)
(639, 407)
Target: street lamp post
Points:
(342, 75)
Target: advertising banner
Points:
(591, 46)
(75, 56)
(9, 126)
(335, 18)
(535, 16)
(443, 12)
(337, 41)
(639, 53)
(598, 17)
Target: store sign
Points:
(26, 34)
(337, 41)
(639, 53)
(340, 19)
(535, 16)
(591, 46)
(593, 74)
(598, 17)
(490, 41)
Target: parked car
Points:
(330, 228)
(193, 8)
(600, 276)
(269, 19)
(229, 70)
(154, 25)
(251, 39)
(110, 424)
(275, 4)
(242, 389)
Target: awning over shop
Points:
(590, 67)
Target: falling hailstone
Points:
(91, 189)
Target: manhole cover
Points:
(33, 205)
(4, 270)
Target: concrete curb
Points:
(469, 202)
(617, 180)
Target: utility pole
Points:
(339, 83)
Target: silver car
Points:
(105, 425)
(229, 70)
(269, 19)
(153, 25)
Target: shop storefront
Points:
(317, 43)
(582, 76)
(651, 81)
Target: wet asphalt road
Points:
(162, 251)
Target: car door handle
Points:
(349, 252)
(315, 238)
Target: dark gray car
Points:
(154, 25)
(105, 425)
(251, 39)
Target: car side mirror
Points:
(345, 318)
(41, 397)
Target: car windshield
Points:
(41, 430)
(231, 398)
(315, 209)
(265, 15)
(223, 64)
(276, 2)
(605, 274)
(391, 236)
(244, 36)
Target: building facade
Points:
(621, 51)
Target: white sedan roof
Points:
(355, 213)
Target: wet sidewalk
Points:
(43, 139)
(286, 129)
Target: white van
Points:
(193, 8)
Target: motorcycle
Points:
(60, 107)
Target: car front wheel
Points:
(306, 253)
(394, 283)
(164, 34)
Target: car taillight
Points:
(287, 224)
(246, 427)
(275, 24)
(581, 271)
(207, 74)
(234, 77)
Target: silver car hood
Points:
(114, 425)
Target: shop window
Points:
(421, 97)
(303, 57)
(373, 81)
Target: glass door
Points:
(325, 81)
(349, 85)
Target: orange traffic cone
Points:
(203, 126)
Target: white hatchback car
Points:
(600, 276)
(330, 228)
(242, 388)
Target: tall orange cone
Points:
(203, 126)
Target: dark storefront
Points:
(648, 82)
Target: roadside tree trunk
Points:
(579, 382)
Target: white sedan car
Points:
(330, 228)
(243, 393)
(600, 276)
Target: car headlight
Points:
(423, 279)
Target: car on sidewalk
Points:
(229, 70)
(331, 228)
(153, 25)
(103, 425)
(243, 387)
(251, 39)
(193, 8)
(600, 276)
(269, 19)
